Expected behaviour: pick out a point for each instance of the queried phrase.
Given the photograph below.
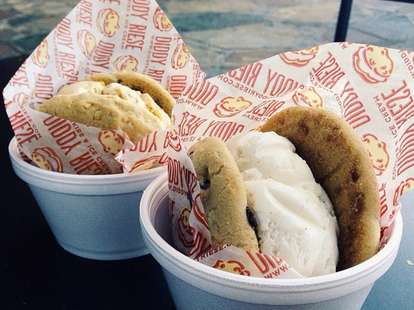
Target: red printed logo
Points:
(20, 77)
(230, 106)
(299, 58)
(378, 153)
(111, 141)
(200, 215)
(148, 163)
(308, 97)
(404, 187)
(223, 129)
(20, 99)
(181, 56)
(161, 21)
(269, 266)
(232, 266)
(373, 63)
(46, 158)
(126, 63)
(86, 42)
(108, 22)
(172, 140)
(200, 245)
(40, 56)
(189, 124)
(185, 231)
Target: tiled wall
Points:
(224, 34)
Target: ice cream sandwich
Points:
(129, 101)
(300, 187)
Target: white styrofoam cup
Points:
(197, 286)
(92, 216)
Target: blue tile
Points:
(213, 20)
(22, 19)
(29, 43)
(7, 13)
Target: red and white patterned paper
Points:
(96, 36)
(369, 86)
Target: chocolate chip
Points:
(251, 218)
(330, 137)
(354, 175)
(205, 183)
(304, 128)
(136, 88)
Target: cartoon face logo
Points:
(145, 164)
(112, 142)
(299, 58)
(231, 266)
(308, 97)
(21, 98)
(181, 56)
(46, 158)
(161, 21)
(40, 56)
(126, 63)
(108, 22)
(404, 187)
(183, 221)
(185, 231)
(378, 153)
(86, 42)
(230, 106)
(373, 63)
(172, 140)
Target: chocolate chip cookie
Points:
(230, 219)
(111, 101)
(340, 163)
(109, 112)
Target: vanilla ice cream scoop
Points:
(154, 114)
(295, 218)
(143, 101)
(82, 87)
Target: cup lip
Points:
(68, 178)
(210, 274)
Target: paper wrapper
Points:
(96, 36)
(370, 87)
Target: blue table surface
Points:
(395, 290)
